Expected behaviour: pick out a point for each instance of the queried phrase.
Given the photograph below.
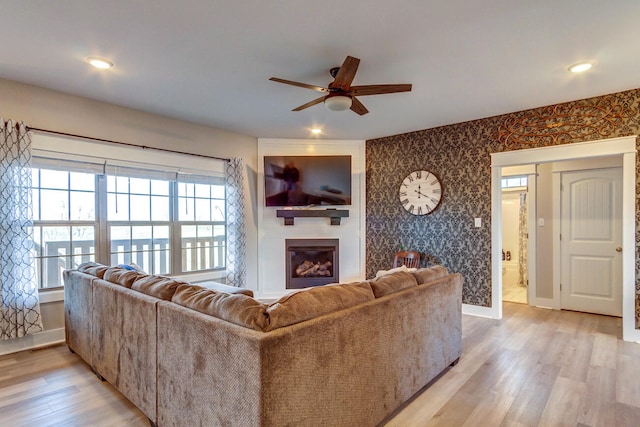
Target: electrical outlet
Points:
(478, 222)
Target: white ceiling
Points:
(209, 61)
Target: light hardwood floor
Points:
(533, 368)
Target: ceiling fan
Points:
(340, 95)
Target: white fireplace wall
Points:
(272, 232)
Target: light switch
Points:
(540, 222)
(478, 222)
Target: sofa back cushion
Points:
(93, 269)
(391, 283)
(426, 275)
(157, 286)
(306, 304)
(120, 276)
(239, 309)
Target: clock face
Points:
(420, 192)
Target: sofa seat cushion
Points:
(391, 283)
(93, 269)
(309, 303)
(426, 275)
(157, 286)
(120, 276)
(238, 309)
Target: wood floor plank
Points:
(599, 404)
(530, 403)
(627, 416)
(564, 403)
(490, 410)
(628, 380)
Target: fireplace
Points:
(311, 262)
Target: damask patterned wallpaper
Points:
(460, 155)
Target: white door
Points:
(591, 240)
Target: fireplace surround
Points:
(311, 262)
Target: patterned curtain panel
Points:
(20, 306)
(236, 237)
(522, 240)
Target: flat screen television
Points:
(307, 180)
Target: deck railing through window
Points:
(197, 254)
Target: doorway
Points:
(515, 236)
(624, 147)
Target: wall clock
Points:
(420, 192)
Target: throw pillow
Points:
(391, 283)
(403, 267)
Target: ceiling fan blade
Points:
(379, 89)
(346, 74)
(304, 85)
(356, 106)
(310, 104)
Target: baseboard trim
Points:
(549, 303)
(30, 342)
(476, 310)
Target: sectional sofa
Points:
(335, 355)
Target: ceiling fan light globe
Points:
(337, 102)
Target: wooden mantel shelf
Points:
(334, 214)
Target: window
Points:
(202, 225)
(162, 222)
(64, 231)
(514, 182)
(139, 216)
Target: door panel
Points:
(591, 267)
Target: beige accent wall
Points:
(43, 108)
(544, 235)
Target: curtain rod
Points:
(144, 147)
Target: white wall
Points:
(273, 232)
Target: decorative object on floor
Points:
(588, 119)
(20, 309)
(410, 259)
(340, 94)
(420, 192)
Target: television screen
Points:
(307, 180)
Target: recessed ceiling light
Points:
(98, 62)
(580, 67)
(316, 131)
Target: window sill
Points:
(51, 296)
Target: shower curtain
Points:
(523, 237)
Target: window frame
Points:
(102, 225)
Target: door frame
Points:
(626, 147)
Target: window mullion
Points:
(102, 233)
(176, 232)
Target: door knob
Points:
(618, 249)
